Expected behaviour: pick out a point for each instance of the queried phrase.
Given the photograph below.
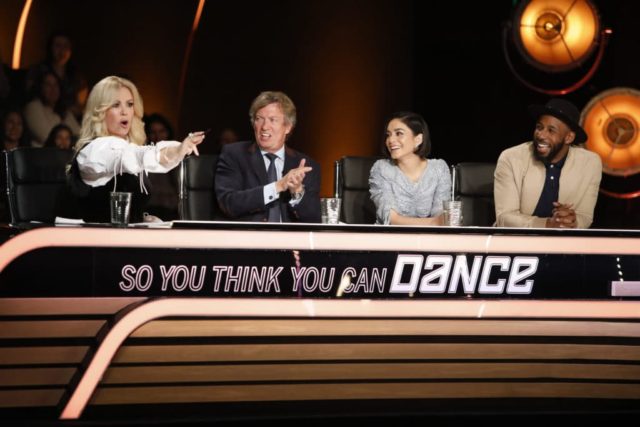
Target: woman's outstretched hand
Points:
(175, 154)
(190, 144)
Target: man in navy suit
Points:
(264, 180)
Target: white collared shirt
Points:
(269, 191)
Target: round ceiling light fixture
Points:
(556, 37)
(612, 121)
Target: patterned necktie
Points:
(272, 175)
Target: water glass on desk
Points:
(452, 213)
(330, 210)
(120, 208)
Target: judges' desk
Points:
(214, 321)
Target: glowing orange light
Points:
(557, 35)
(17, 45)
(196, 20)
(612, 121)
(187, 52)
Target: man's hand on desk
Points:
(563, 216)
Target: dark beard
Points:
(546, 160)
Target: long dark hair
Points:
(70, 67)
(157, 118)
(60, 108)
(51, 139)
(24, 138)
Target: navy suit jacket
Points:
(241, 176)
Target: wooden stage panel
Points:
(32, 398)
(43, 343)
(388, 327)
(331, 371)
(184, 353)
(367, 390)
(293, 359)
(39, 355)
(36, 376)
(50, 329)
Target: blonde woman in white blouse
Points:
(111, 155)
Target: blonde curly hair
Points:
(99, 101)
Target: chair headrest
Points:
(39, 165)
(474, 179)
(200, 171)
(355, 172)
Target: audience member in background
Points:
(12, 134)
(111, 154)
(163, 200)
(408, 188)
(12, 130)
(73, 86)
(265, 180)
(227, 136)
(47, 110)
(157, 128)
(548, 182)
(60, 137)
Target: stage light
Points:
(612, 121)
(555, 37)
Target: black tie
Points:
(272, 175)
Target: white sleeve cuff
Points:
(151, 159)
(269, 193)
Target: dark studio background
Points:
(346, 64)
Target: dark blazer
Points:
(241, 176)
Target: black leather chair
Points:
(352, 185)
(36, 178)
(474, 187)
(197, 193)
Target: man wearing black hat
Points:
(548, 182)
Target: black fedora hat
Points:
(563, 110)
